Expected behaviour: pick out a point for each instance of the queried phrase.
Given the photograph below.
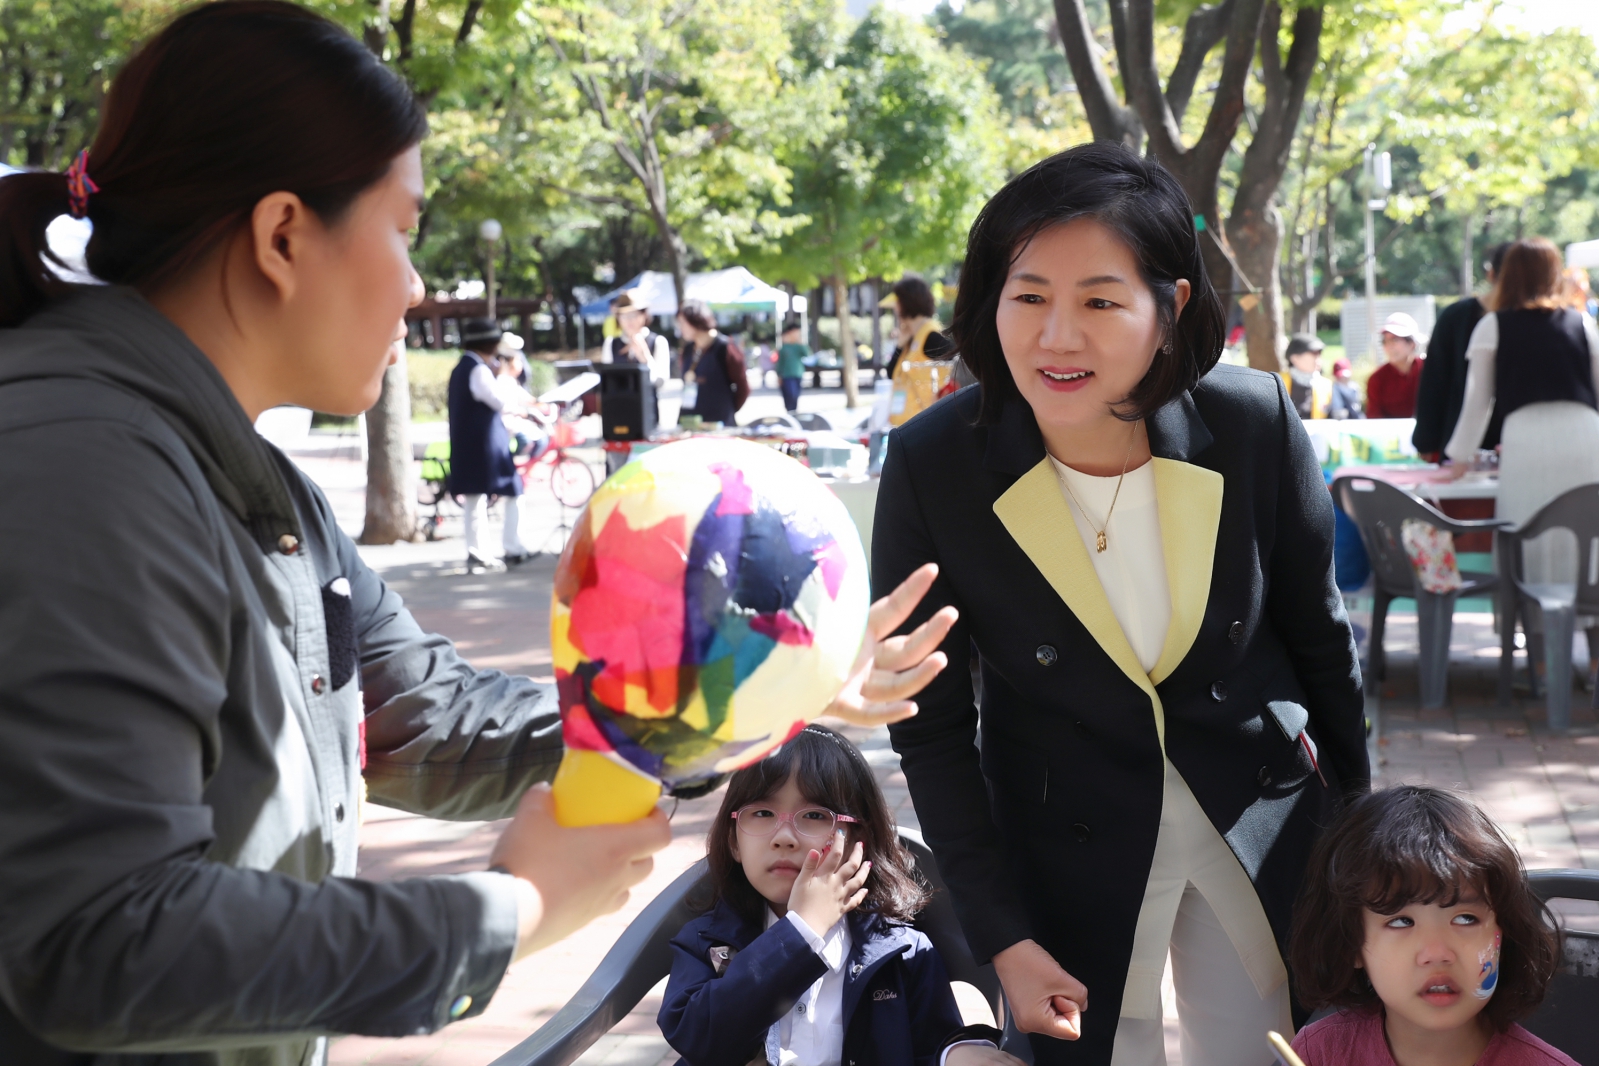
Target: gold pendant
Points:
(1100, 543)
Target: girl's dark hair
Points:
(1138, 199)
(231, 102)
(831, 773)
(915, 298)
(1530, 275)
(1410, 844)
(697, 313)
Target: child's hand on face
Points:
(829, 885)
(980, 1055)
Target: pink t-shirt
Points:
(1355, 1038)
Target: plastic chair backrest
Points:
(643, 955)
(1379, 510)
(1578, 511)
(1566, 1018)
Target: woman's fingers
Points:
(885, 686)
(850, 866)
(855, 901)
(1067, 1020)
(890, 612)
(902, 653)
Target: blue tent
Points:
(733, 289)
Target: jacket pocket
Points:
(1285, 707)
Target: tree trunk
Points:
(1467, 280)
(846, 339)
(1256, 238)
(390, 487)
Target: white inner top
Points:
(1482, 354)
(1132, 568)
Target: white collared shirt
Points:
(812, 1033)
(481, 383)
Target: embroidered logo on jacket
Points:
(884, 993)
(721, 955)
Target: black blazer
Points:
(1045, 828)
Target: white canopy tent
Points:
(733, 289)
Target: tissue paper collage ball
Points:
(710, 602)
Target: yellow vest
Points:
(1320, 393)
(916, 379)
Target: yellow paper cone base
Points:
(590, 789)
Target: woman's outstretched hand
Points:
(890, 669)
(1044, 998)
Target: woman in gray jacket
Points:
(197, 671)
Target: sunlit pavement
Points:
(1543, 789)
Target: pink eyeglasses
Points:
(809, 823)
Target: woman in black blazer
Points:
(1170, 699)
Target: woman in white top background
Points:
(1537, 362)
(1140, 549)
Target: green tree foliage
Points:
(56, 62)
(895, 168)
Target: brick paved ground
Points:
(1543, 789)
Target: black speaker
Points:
(627, 401)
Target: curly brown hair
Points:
(1411, 844)
(832, 773)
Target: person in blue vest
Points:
(481, 464)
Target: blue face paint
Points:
(1488, 978)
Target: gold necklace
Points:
(1101, 542)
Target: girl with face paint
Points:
(1416, 918)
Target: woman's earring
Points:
(1165, 349)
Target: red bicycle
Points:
(571, 479)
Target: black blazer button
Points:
(1264, 777)
(1047, 655)
(1235, 632)
(1218, 691)
(1082, 831)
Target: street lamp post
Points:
(1379, 168)
(490, 231)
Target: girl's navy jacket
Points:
(898, 1006)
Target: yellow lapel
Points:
(1189, 498)
(1035, 514)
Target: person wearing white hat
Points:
(1391, 389)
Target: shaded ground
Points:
(1543, 789)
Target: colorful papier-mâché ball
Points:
(710, 603)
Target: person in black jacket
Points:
(1443, 376)
(1139, 543)
(807, 957)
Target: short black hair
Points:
(1496, 256)
(1412, 844)
(1143, 203)
(790, 325)
(914, 296)
(1304, 342)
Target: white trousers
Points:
(474, 508)
(1201, 908)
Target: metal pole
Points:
(582, 344)
(488, 275)
(1371, 266)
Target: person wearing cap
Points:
(637, 343)
(1308, 389)
(1391, 389)
(524, 417)
(1346, 394)
(481, 464)
(1443, 376)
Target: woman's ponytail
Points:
(232, 101)
(29, 201)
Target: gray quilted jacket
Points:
(193, 659)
